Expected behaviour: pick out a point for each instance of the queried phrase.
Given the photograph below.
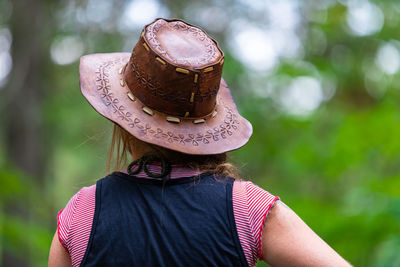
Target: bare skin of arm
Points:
(58, 257)
(288, 241)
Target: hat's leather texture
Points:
(121, 85)
(157, 83)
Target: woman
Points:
(176, 204)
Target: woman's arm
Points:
(58, 257)
(288, 241)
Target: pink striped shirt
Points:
(251, 205)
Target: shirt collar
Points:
(176, 171)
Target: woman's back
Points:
(241, 207)
(179, 222)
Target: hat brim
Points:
(101, 85)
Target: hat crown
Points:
(182, 44)
(175, 68)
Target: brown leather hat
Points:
(169, 91)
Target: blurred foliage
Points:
(337, 166)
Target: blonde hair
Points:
(123, 145)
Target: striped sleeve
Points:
(75, 223)
(251, 205)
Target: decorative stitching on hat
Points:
(148, 111)
(145, 46)
(184, 71)
(191, 98)
(174, 95)
(173, 119)
(208, 69)
(225, 129)
(132, 97)
(197, 121)
(155, 88)
(161, 61)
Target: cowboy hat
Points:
(169, 91)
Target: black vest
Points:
(150, 222)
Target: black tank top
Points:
(151, 222)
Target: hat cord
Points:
(143, 163)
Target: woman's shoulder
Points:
(77, 214)
(85, 193)
(251, 190)
(255, 198)
(251, 205)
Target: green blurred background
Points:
(318, 79)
